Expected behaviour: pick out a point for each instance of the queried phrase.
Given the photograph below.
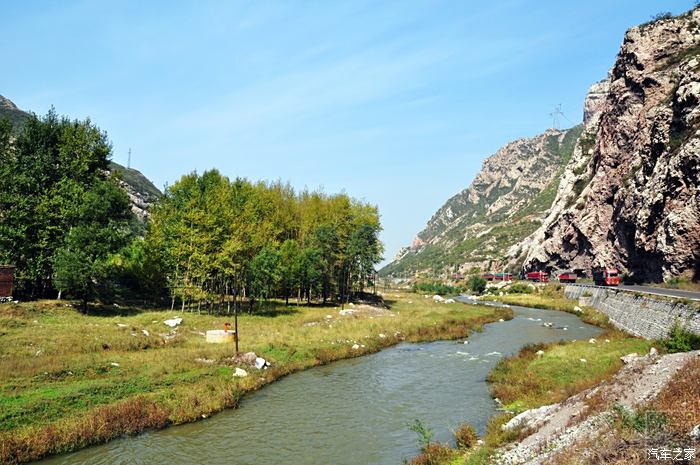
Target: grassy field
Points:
(69, 380)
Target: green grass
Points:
(60, 388)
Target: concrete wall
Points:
(650, 317)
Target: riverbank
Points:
(542, 374)
(71, 380)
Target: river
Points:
(349, 412)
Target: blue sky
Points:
(396, 103)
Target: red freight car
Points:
(568, 277)
(488, 276)
(538, 276)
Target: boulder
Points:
(450, 301)
(248, 357)
(260, 363)
(592, 341)
(438, 298)
(355, 346)
(145, 332)
(653, 353)
(578, 309)
(240, 373)
(529, 418)
(540, 353)
(629, 358)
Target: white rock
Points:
(260, 363)
(240, 373)
(607, 340)
(653, 352)
(479, 442)
(583, 360)
(122, 325)
(629, 357)
(347, 311)
(382, 335)
(438, 298)
(355, 347)
(501, 320)
(592, 341)
(528, 418)
(578, 309)
(450, 301)
(540, 353)
(695, 433)
(466, 342)
(173, 322)
(114, 364)
(145, 332)
(328, 317)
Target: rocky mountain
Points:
(622, 190)
(630, 197)
(505, 203)
(141, 191)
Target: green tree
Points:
(477, 284)
(83, 265)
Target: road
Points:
(693, 295)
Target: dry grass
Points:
(626, 442)
(68, 380)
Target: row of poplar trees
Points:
(66, 224)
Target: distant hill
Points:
(8, 110)
(141, 191)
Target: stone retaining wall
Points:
(647, 316)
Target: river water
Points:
(349, 412)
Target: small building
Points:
(7, 279)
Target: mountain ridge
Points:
(627, 195)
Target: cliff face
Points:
(504, 204)
(630, 196)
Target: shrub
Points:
(434, 453)
(644, 421)
(520, 288)
(465, 436)
(435, 288)
(680, 339)
(477, 284)
(425, 434)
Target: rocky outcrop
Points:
(595, 99)
(141, 191)
(630, 197)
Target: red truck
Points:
(568, 277)
(503, 277)
(606, 276)
(488, 276)
(538, 276)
